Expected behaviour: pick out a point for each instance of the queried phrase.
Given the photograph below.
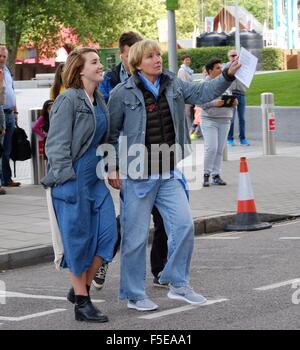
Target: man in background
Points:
(10, 112)
(238, 90)
(121, 72)
(186, 73)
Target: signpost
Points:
(172, 5)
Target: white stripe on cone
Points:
(245, 189)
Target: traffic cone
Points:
(246, 218)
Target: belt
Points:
(8, 110)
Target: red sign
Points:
(41, 147)
(272, 125)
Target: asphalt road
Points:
(249, 278)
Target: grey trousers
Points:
(215, 132)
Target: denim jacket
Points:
(72, 128)
(128, 113)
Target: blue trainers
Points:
(142, 305)
(244, 142)
(186, 294)
(230, 142)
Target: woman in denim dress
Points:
(82, 203)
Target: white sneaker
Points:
(142, 305)
(186, 294)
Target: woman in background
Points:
(57, 88)
(215, 124)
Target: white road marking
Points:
(287, 223)
(280, 284)
(179, 309)
(39, 314)
(290, 238)
(47, 297)
(219, 237)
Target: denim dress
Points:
(85, 211)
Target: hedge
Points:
(272, 59)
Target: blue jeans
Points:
(10, 125)
(137, 200)
(241, 108)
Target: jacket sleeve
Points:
(200, 93)
(37, 127)
(105, 87)
(182, 74)
(59, 140)
(115, 107)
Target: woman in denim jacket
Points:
(83, 205)
(148, 109)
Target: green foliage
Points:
(284, 85)
(272, 59)
(187, 18)
(260, 9)
(101, 21)
(200, 56)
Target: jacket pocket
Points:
(178, 94)
(132, 105)
(66, 192)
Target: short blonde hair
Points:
(4, 48)
(71, 73)
(138, 50)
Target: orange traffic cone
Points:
(246, 218)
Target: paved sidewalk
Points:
(24, 226)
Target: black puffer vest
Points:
(159, 129)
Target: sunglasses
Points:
(232, 55)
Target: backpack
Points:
(20, 146)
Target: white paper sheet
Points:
(248, 67)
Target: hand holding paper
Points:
(248, 67)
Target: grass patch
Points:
(284, 85)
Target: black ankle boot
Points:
(206, 180)
(71, 294)
(86, 311)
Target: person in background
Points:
(215, 123)
(120, 72)
(159, 250)
(196, 123)
(153, 116)
(57, 88)
(238, 90)
(10, 112)
(195, 132)
(41, 125)
(186, 73)
(2, 125)
(82, 203)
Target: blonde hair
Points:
(4, 48)
(138, 50)
(71, 73)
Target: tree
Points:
(260, 9)
(37, 21)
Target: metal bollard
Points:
(268, 123)
(37, 148)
